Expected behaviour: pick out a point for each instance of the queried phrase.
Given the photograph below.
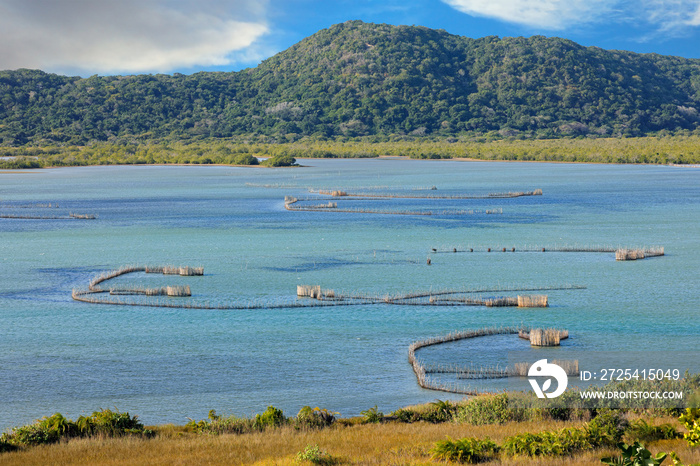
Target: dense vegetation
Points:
(356, 79)
(540, 433)
(676, 150)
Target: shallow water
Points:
(170, 364)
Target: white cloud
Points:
(546, 14)
(660, 15)
(107, 36)
(670, 14)
(695, 18)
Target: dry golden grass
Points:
(376, 444)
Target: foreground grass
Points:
(387, 443)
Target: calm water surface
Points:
(170, 364)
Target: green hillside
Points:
(358, 79)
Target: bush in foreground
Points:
(314, 455)
(51, 429)
(465, 450)
(316, 418)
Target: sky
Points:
(118, 37)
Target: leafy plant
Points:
(441, 411)
(280, 161)
(407, 415)
(548, 443)
(635, 455)
(271, 417)
(676, 460)
(372, 415)
(314, 455)
(314, 418)
(465, 450)
(108, 422)
(643, 431)
(486, 410)
(691, 420)
(212, 416)
(607, 428)
(5, 445)
(53, 428)
(31, 435)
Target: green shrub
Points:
(245, 159)
(271, 417)
(314, 455)
(31, 435)
(465, 450)
(20, 163)
(109, 423)
(407, 415)
(645, 432)
(372, 415)
(314, 418)
(5, 445)
(440, 411)
(635, 455)
(487, 410)
(280, 161)
(436, 412)
(548, 443)
(53, 428)
(607, 428)
(691, 421)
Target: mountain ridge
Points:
(373, 80)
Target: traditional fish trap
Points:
(570, 367)
(334, 193)
(191, 271)
(82, 216)
(533, 300)
(546, 337)
(629, 254)
(171, 270)
(501, 302)
(309, 291)
(178, 291)
(330, 205)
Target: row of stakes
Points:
(472, 250)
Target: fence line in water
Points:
(70, 216)
(289, 204)
(343, 193)
(422, 370)
(621, 253)
(321, 298)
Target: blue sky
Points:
(86, 37)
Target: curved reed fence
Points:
(422, 370)
(419, 369)
(311, 296)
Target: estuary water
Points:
(167, 365)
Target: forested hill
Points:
(358, 79)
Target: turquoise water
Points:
(170, 364)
